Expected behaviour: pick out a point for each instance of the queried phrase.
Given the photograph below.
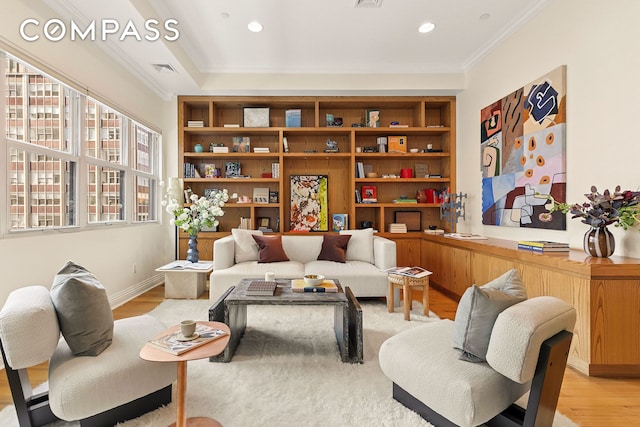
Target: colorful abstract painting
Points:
(523, 154)
(309, 203)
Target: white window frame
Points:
(77, 154)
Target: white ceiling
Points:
(302, 36)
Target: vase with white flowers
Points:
(196, 214)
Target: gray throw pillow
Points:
(83, 310)
(478, 310)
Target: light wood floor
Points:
(588, 401)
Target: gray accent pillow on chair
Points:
(478, 310)
(83, 310)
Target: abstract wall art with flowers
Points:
(523, 154)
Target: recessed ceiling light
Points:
(485, 16)
(225, 15)
(426, 27)
(254, 26)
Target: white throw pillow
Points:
(360, 247)
(246, 247)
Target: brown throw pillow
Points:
(334, 247)
(270, 248)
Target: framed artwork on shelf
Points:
(256, 117)
(340, 222)
(232, 169)
(264, 222)
(309, 203)
(241, 144)
(261, 195)
(413, 219)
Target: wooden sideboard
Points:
(604, 291)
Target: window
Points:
(63, 147)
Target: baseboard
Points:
(126, 295)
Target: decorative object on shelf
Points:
(309, 203)
(331, 146)
(256, 117)
(198, 148)
(193, 218)
(452, 208)
(620, 208)
(373, 118)
(273, 196)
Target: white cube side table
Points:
(186, 281)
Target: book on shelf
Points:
(340, 222)
(231, 125)
(261, 288)
(543, 249)
(465, 236)
(407, 201)
(416, 272)
(299, 285)
(292, 117)
(285, 144)
(220, 149)
(275, 170)
(397, 144)
(186, 265)
(398, 126)
(369, 194)
(543, 244)
(195, 123)
(261, 150)
(359, 170)
(358, 196)
(174, 342)
(397, 228)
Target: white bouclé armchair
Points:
(113, 386)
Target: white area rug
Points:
(287, 372)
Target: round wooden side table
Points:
(406, 283)
(209, 349)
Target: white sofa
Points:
(366, 255)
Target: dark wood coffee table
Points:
(231, 309)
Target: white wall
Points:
(109, 251)
(598, 42)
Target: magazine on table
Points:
(186, 265)
(175, 343)
(416, 272)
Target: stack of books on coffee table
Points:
(299, 285)
(543, 246)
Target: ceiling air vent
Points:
(368, 3)
(163, 68)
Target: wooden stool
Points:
(406, 283)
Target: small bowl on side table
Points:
(313, 279)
